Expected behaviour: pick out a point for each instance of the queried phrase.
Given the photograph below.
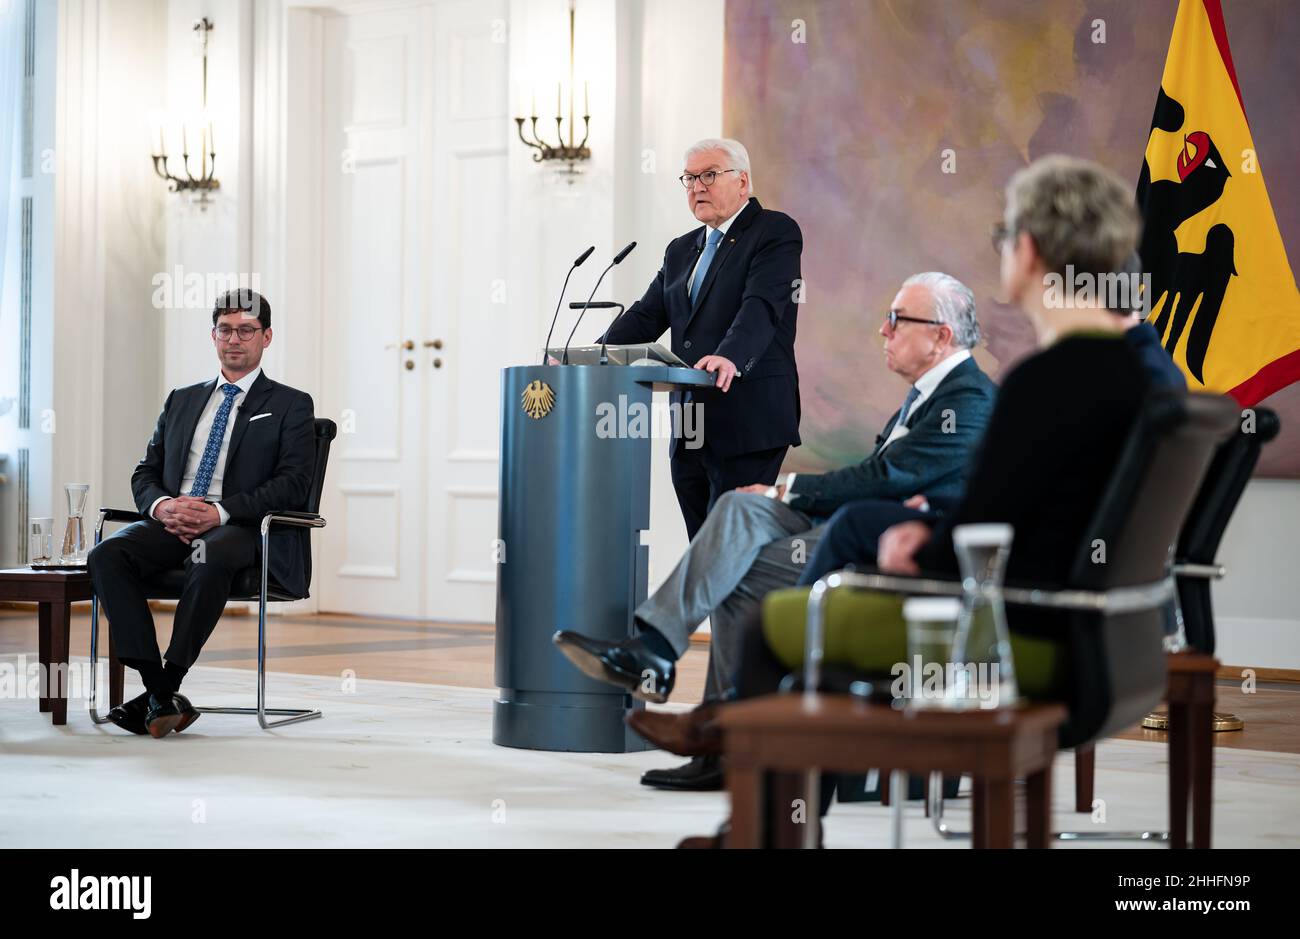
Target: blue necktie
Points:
(912, 395)
(208, 463)
(702, 269)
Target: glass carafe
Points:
(984, 673)
(74, 534)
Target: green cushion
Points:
(865, 630)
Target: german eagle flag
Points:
(1222, 295)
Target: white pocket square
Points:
(258, 417)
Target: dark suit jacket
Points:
(268, 468)
(746, 313)
(931, 459)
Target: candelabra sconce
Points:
(569, 158)
(206, 182)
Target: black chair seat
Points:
(247, 586)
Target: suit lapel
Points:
(884, 434)
(189, 416)
(919, 410)
(725, 250)
(260, 391)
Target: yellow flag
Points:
(1221, 293)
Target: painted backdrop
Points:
(853, 109)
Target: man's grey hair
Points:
(952, 303)
(736, 153)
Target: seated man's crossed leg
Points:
(749, 545)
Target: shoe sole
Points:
(162, 726)
(594, 667)
(685, 787)
(187, 719)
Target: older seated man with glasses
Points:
(758, 537)
(225, 453)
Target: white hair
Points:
(952, 303)
(736, 153)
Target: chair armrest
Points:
(1200, 571)
(296, 519)
(121, 515)
(115, 515)
(1128, 599)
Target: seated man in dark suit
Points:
(757, 538)
(853, 532)
(224, 454)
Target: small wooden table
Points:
(1191, 746)
(772, 741)
(55, 592)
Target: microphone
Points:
(598, 305)
(576, 264)
(618, 259)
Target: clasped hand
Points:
(187, 517)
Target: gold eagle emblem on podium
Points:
(538, 399)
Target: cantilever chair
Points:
(252, 583)
(1195, 564)
(1198, 543)
(1114, 620)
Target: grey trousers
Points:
(748, 546)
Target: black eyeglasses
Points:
(244, 331)
(998, 234)
(708, 177)
(893, 318)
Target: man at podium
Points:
(728, 292)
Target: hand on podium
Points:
(722, 369)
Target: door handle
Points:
(409, 345)
(433, 343)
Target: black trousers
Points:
(701, 477)
(121, 564)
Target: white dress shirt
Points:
(200, 441)
(924, 386)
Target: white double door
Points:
(414, 127)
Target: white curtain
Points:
(12, 16)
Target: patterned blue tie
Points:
(710, 249)
(208, 463)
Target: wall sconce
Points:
(566, 157)
(205, 182)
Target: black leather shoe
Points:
(163, 716)
(130, 715)
(702, 774)
(628, 664)
(188, 712)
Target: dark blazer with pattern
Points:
(746, 313)
(269, 465)
(931, 459)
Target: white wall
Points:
(1257, 606)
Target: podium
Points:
(574, 499)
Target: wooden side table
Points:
(55, 592)
(770, 742)
(1191, 746)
